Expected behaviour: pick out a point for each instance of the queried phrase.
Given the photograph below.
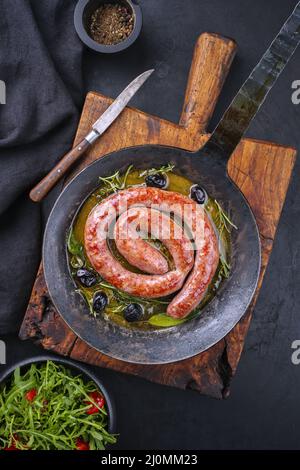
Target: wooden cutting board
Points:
(262, 170)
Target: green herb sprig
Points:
(118, 300)
(154, 171)
(223, 222)
(113, 183)
(225, 267)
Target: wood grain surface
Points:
(262, 170)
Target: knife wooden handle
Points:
(46, 184)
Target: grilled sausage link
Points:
(133, 247)
(148, 210)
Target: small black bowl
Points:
(74, 368)
(83, 11)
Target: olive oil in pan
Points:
(152, 308)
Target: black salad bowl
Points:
(76, 369)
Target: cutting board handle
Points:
(213, 55)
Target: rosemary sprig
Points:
(131, 298)
(222, 220)
(225, 267)
(153, 171)
(118, 300)
(117, 182)
(113, 183)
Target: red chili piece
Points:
(31, 394)
(13, 445)
(81, 444)
(98, 399)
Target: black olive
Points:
(198, 194)
(133, 312)
(99, 301)
(86, 277)
(156, 181)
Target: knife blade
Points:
(255, 89)
(98, 128)
(113, 111)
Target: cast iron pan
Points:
(206, 167)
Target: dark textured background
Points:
(263, 410)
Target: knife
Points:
(98, 128)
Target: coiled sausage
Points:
(180, 223)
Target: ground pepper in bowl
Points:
(111, 23)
